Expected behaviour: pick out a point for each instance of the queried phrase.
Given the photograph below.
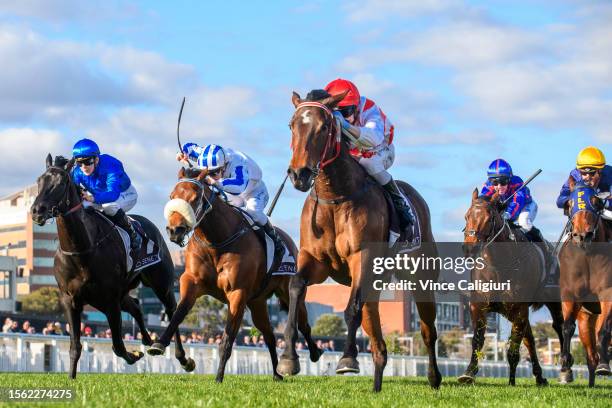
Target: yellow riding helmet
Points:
(590, 157)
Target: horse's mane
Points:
(317, 95)
(192, 172)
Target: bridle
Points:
(205, 206)
(55, 210)
(334, 137)
(570, 223)
(491, 235)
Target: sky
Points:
(464, 82)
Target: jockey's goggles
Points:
(588, 172)
(500, 181)
(85, 161)
(347, 111)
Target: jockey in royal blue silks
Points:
(592, 171)
(521, 209)
(106, 186)
(240, 178)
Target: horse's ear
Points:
(495, 198)
(181, 173)
(295, 99)
(69, 165)
(202, 175)
(334, 100)
(571, 183)
(597, 203)
(49, 160)
(475, 194)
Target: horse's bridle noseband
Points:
(491, 235)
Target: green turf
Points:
(156, 390)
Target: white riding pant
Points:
(526, 216)
(126, 201)
(254, 202)
(377, 165)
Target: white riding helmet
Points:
(212, 158)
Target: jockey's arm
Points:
(237, 182)
(368, 136)
(487, 190)
(113, 190)
(516, 205)
(564, 195)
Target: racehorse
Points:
(518, 263)
(90, 264)
(344, 212)
(226, 260)
(585, 262)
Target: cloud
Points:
(61, 11)
(47, 79)
(372, 10)
(23, 154)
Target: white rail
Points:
(37, 353)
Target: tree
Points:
(208, 314)
(45, 300)
(329, 325)
(542, 331)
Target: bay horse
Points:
(337, 224)
(90, 264)
(518, 263)
(585, 262)
(226, 260)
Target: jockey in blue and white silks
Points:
(106, 186)
(239, 177)
(522, 209)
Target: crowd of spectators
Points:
(57, 329)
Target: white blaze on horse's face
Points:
(306, 118)
(182, 207)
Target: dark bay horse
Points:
(585, 262)
(90, 264)
(336, 227)
(226, 260)
(523, 267)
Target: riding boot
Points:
(402, 208)
(121, 220)
(279, 248)
(535, 235)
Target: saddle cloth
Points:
(287, 265)
(147, 255)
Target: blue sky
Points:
(464, 82)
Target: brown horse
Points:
(518, 263)
(226, 260)
(347, 212)
(585, 262)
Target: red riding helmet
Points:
(338, 86)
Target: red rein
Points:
(330, 137)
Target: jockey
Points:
(239, 177)
(521, 210)
(591, 170)
(373, 134)
(106, 186)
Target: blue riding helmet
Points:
(499, 168)
(85, 148)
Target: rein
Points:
(202, 211)
(335, 201)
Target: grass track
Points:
(155, 390)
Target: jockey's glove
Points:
(343, 122)
(506, 216)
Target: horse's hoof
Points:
(466, 379)
(603, 369)
(347, 365)
(288, 366)
(566, 377)
(133, 356)
(156, 349)
(435, 380)
(541, 382)
(189, 366)
(316, 354)
(277, 377)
